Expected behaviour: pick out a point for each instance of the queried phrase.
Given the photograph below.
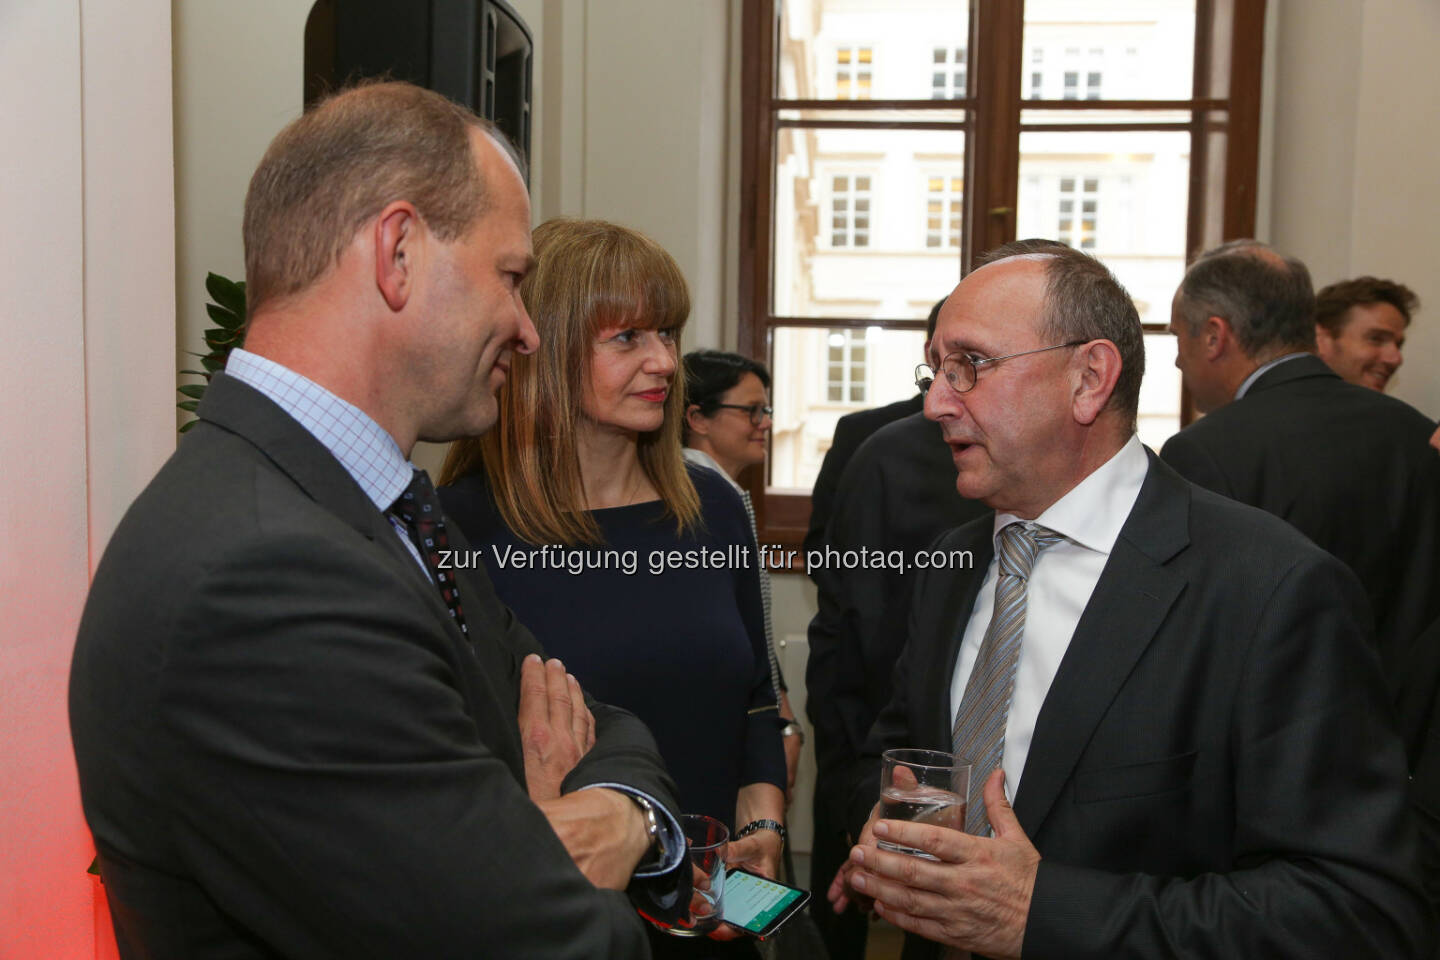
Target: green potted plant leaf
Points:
(227, 310)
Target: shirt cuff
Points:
(672, 838)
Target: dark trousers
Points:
(844, 935)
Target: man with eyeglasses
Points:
(1180, 744)
(892, 491)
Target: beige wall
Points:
(86, 397)
(1353, 188)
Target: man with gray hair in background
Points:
(1347, 466)
(1180, 742)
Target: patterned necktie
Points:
(979, 732)
(419, 510)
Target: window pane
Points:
(1159, 391)
(1111, 49)
(833, 50)
(854, 234)
(1121, 196)
(809, 396)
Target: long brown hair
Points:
(589, 274)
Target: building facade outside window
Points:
(852, 72)
(1094, 122)
(845, 367)
(948, 79)
(849, 210)
(944, 211)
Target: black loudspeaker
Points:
(476, 52)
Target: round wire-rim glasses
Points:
(960, 369)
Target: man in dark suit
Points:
(294, 738)
(901, 497)
(897, 495)
(1172, 689)
(1347, 466)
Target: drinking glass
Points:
(924, 786)
(707, 839)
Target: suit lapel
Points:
(246, 412)
(1135, 593)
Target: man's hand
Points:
(976, 898)
(841, 894)
(556, 728)
(604, 832)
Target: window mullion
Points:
(993, 154)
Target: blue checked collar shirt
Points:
(373, 458)
(364, 449)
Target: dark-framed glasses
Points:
(757, 412)
(960, 369)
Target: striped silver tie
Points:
(979, 732)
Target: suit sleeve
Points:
(331, 758)
(827, 482)
(1323, 851)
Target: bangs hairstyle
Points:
(340, 163)
(589, 276)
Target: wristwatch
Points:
(792, 728)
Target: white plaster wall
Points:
(656, 135)
(86, 385)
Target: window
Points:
(850, 211)
(944, 208)
(1078, 212)
(852, 73)
(845, 367)
(1126, 129)
(947, 80)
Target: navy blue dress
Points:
(668, 627)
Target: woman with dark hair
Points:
(727, 424)
(619, 557)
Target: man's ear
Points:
(698, 423)
(397, 232)
(1099, 370)
(1217, 336)
(1324, 342)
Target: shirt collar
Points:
(1095, 510)
(1263, 369)
(705, 460)
(369, 454)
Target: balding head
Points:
(339, 164)
(1263, 295)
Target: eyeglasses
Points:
(757, 412)
(960, 369)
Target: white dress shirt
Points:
(1060, 585)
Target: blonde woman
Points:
(626, 563)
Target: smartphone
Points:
(757, 905)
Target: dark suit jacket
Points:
(897, 494)
(1351, 469)
(851, 430)
(1214, 771)
(286, 747)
